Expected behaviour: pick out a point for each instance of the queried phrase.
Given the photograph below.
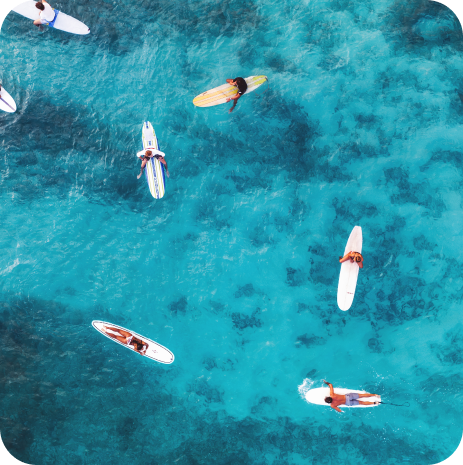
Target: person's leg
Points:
(118, 330)
(363, 402)
(368, 395)
(143, 164)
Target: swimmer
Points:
(127, 338)
(354, 257)
(242, 87)
(144, 156)
(46, 15)
(349, 399)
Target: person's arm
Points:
(361, 264)
(331, 388)
(345, 258)
(229, 81)
(235, 100)
(336, 408)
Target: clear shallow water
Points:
(235, 269)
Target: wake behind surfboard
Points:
(62, 21)
(222, 93)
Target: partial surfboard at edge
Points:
(6, 102)
(63, 21)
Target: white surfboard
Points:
(154, 169)
(349, 271)
(62, 21)
(155, 351)
(317, 396)
(6, 102)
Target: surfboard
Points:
(349, 271)
(317, 396)
(62, 21)
(155, 351)
(6, 102)
(154, 169)
(220, 94)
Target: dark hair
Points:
(40, 6)
(358, 258)
(328, 400)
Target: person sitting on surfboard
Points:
(46, 15)
(145, 156)
(126, 338)
(242, 87)
(354, 257)
(349, 400)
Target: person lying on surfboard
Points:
(349, 400)
(353, 257)
(46, 15)
(145, 156)
(126, 338)
(242, 87)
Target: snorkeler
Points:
(242, 87)
(46, 15)
(144, 156)
(354, 257)
(350, 399)
(126, 338)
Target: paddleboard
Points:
(349, 271)
(155, 351)
(317, 396)
(154, 169)
(6, 102)
(62, 21)
(220, 94)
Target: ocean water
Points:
(235, 269)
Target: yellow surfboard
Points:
(222, 93)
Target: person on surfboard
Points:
(127, 338)
(144, 156)
(354, 257)
(46, 15)
(242, 87)
(349, 399)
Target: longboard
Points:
(62, 21)
(220, 94)
(317, 396)
(155, 351)
(349, 271)
(154, 169)
(6, 102)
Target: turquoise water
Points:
(235, 269)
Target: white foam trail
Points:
(305, 387)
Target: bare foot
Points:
(139, 176)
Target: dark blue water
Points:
(235, 269)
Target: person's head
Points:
(148, 153)
(40, 6)
(358, 258)
(328, 400)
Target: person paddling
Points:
(354, 257)
(144, 156)
(242, 87)
(46, 15)
(126, 338)
(350, 399)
